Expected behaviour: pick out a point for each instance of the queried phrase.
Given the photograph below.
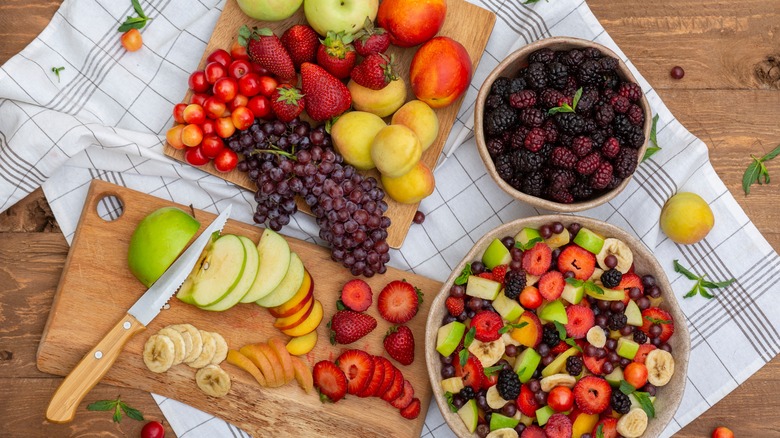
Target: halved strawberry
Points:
(592, 394)
(377, 378)
(608, 428)
(558, 426)
(537, 260)
(388, 376)
(594, 365)
(356, 295)
(551, 285)
(330, 381)
(398, 302)
(533, 431)
(487, 324)
(405, 398)
(581, 319)
(578, 260)
(358, 367)
(486, 275)
(560, 348)
(396, 388)
(526, 401)
(412, 411)
(499, 272)
(627, 281)
(656, 315)
(472, 373)
(641, 354)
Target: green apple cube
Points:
(633, 314)
(496, 254)
(509, 309)
(452, 385)
(468, 413)
(557, 365)
(554, 311)
(526, 363)
(627, 348)
(543, 414)
(608, 295)
(589, 240)
(499, 421)
(449, 337)
(573, 294)
(615, 377)
(558, 240)
(482, 288)
(526, 235)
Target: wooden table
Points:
(728, 98)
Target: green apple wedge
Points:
(482, 288)
(469, 414)
(274, 257)
(448, 337)
(498, 421)
(289, 285)
(216, 273)
(243, 285)
(496, 254)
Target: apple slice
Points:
(469, 414)
(448, 337)
(633, 314)
(243, 285)
(554, 311)
(217, 272)
(498, 421)
(509, 309)
(298, 301)
(289, 285)
(236, 358)
(258, 357)
(543, 414)
(482, 288)
(526, 363)
(589, 240)
(274, 255)
(302, 374)
(309, 324)
(496, 254)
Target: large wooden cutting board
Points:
(96, 289)
(466, 23)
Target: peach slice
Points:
(277, 345)
(257, 354)
(309, 324)
(530, 334)
(302, 374)
(298, 301)
(236, 358)
(302, 344)
(296, 318)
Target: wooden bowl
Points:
(509, 68)
(668, 397)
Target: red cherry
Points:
(221, 56)
(198, 82)
(195, 156)
(226, 160)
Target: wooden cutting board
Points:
(96, 289)
(466, 23)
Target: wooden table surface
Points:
(729, 98)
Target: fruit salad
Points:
(552, 333)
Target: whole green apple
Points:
(339, 15)
(269, 10)
(157, 240)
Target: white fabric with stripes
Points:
(107, 116)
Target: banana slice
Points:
(633, 424)
(196, 341)
(660, 367)
(596, 275)
(596, 337)
(213, 380)
(621, 251)
(503, 433)
(159, 353)
(488, 353)
(494, 399)
(220, 354)
(509, 340)
(206, 353)
(179, 346)
(550, 382)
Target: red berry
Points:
(533, 431)
(388, 376)
(592, 394)
(487, 324)
(455, 305)
(330, 381)
(551, 285)
(499, 272)
(153, 429)
(535, 139)
(558, 425)
(722, 432)
(577, 260)
(358, 366)
(356, 295)
(677, 72)
(581, 319)
(641, 354)
(399, 344)
(398, 302)
(594, 365)
(537, 260)
(589, 164)
(610, 148)
(347, 326)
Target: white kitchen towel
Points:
(107, 114)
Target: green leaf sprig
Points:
(530, 244)
(701, 285)
(489, 371)
(562, 335)
(600, 431)
(463, 278)
(56, 71)
(463, 356)
(653, 148)
(450, 403)
(642, 397)
(757, 170)
(589, 285)
(566, 108)
(134, 22)
(511, 326)
(118, 406)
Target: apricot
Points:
(420, 118)
(686, 218)
(411, 187)
(395, 150)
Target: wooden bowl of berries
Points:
(557, 326)
(561, 124)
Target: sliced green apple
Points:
(573, 294)
(482, 288)
(526, 363)
(274, 257)
(499, 421)
(559, 363)
(469, 414)
(526, 235)
(448, 337)
(554, 311)
(243, 285)
(509, 309)
(608, 295)
(543, 414)
(216, 273)
(589, 240)
(615, 377)
(288, 287)
(633, 314)
(496, 254)
(627, 348)
(452, 385)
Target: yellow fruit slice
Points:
(236, 358)
(255, 353)
(302, 374)
(302, 344)
(309, 324)
(284, 357)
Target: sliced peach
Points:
(257, 354)
(296, 318)
(294, 304)
(302, 344)
(530, 334)
(236, 358)
(309, 324)
(277, 345)
(302, 374)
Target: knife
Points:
(97, 362)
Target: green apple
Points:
(509, 309)
(289, 285)
(635, 403)
(216, 273)
(558, 240)
(243, 285)
(573, 294)
(526, 235)
(274, 257)
(559, 363)
(498, 421)
(615, 377)
(448, 337)
(608, 295)
(496, 254)
(469, 414)
(633, 314)
(526, 363)
(482, 288)
(589, 240)
(554, 311)
(453, 385)
(543, 414)
(269, 10)
(627, 348)
(156, 242)
(339, 15)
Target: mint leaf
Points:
(510, 326)
(757, 170)
(102, 405)
(680, 269)
(593, 287)
(463, 357)
(135, 414)
(118, 406)
(56, 71)
(566, 108)
(562, 335)
(717, 284)
(574, 282)
(492, 370)
(463, 278)
(137, 7)
(448, 397)
(657, 321)
(644, 401)
(600, 431)
(576, 99)
(701, 285)
(530, 244)
(651, 150)
(469, 337)
(626, 388)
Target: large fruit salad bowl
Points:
(569, 320)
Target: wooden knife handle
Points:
(90, 370)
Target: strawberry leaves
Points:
(757, 170)
(118, 406)
(134, 22)
(701, 285)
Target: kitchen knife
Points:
(97, 362)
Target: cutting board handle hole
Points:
(109, 207)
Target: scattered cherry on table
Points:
(677, 72)
(153, 429)
(419, 217)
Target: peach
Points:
(411, 187)
(440, 72)
(411, 22)
(420, 118)
(302, 374)
(395, 150)
(309, 324)
(352, 135)
(686, 218)
(380, 102)
(302, 344)
(256, 354)
(236, 358)
(296, 318)
(284, 357)
(529, 335)
(297, 302)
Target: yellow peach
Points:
(420, 118)
(236, 358)
(411, 187)
(352, 135)
(686, 218)
(380, 102)
(395, 150)
(302, 344)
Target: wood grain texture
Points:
(465, 23)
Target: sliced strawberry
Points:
(641, 354)
(627, 281)
(578, 260)
(377, 378)
(560, 348)
(551, 285)
(581, 319)
(396, 388)
(499, 272)
(485, 275)
(656, 315)
(526, 401)
(405, 398)
(330, 381)
(488, 381)
(537, 260)
(398, 302)
(356, 295)
(558, 426)
(533, 431)
(594, 365)
(412, 411)
(487, 324)
(388, 376)
(472, 373)
(592, 394)
(608, 428)
(358, 367)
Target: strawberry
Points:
(399, 344)
(608, 428)
(656, 315)
(581, 319)
(377, 378)
(405, 398)
(396, 388)
(592, 394)
(347, 326)
(336, 54)
(627, 281)
(537, 260)
(594, 365)
(287, 102)
(558, 426)
(472, 373)
(533, 431)
(455, 305)
(370, 39)
(264, 48)
(578, 260)
(301, 41)
(551, 285)
(641, 354)
(487, 324)
(358, 367)
(399, 301)
(356, 295)
(326, 96)
(499, 272)
(330, 381)
(486, 275)
(375, 72)
(560, 348)
(526, 402)
(412, 411)
(389, 375)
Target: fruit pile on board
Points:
(553, 334)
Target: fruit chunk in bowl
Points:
(550, 322)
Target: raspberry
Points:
(589, 72)
(535, 139)
(533, 184)
(636, 115)
(581, 146)
(552, 131)
(557, 74)
(630, 90)
(523, 99)
(455, 305)
(544, 56)
(589, 164)
(625, 163)
(532, 117)
(493, 101)
(602, 177)
(550, 97)
(608, 64)
(499, 273)
(563, 158)
(504, 167)
(603, 115)
(620, 103)
(570, 123)
(500, 120)
(501, 87)
(518, 137)
(495, 147)
(536, 76)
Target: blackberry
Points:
(636, 115)
(557, 74)
(565, 140)
(633, 137)
(610, 81)
(500, 120)
(620, 402)
(571, 86)
(501, 87)
(543, 56)
(630, 90)
(533, 184)
(550, 336)
(621, 124)
(522, 99)
(581, 146)
(536, 76)
(590, 126)
(581, 190)
(561, 179)
(589, 164)
(529, 161)
(617, 321)
(608, 64)
(614, 182)
(551, 130)
(532, 117)
(640, 337)
(493, 101)
(620, 103)
(516, 85)
(514, 282)
(570, 123)
(518, 137)
(467, 393)
(588, 100)
(625, 163)
(589, 72)
(535, 139)
(504, 167)
(611, 278)
(599, 137)
(573, 58)
(563, 158)
(561, 195)
(551, 97)
(593, 53)
(516, 181)
(546, 151)
(495, 147)
(574, 365)
(601, 177)
(508, 385)
(603, 114)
